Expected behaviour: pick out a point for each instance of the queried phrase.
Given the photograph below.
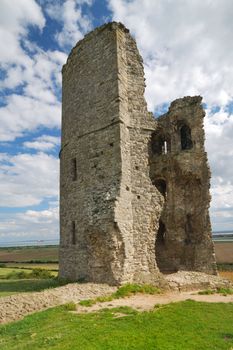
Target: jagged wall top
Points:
(110, 25)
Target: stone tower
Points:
(134, 191)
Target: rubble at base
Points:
(190, 280)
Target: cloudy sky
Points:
(187, 49)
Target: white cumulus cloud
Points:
(74, 22)
(27, 179)
(187, 46)
(29, 68)
(30, 225)
(187, 49)
(43, 143)
(15, 18)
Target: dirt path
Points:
(143, 302)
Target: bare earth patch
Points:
(143, 302)
(182, 286)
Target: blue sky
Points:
(187, 50)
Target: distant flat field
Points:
(224, 252)
(47, 266)
(226, 274)
(26, 254)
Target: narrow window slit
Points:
(164, 148)
(73, 232)
(74, 169)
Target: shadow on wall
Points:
(163, 148)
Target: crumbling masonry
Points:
(134, 189)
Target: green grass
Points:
(87, 302)
(129, 289)
(186, 325)
(8, 287)
(5, 271)
(30, 266)
(225, 267)
(13, 281)
(207, 292)
(122, 292)
(223, 291)
(71, 306)
(35, 273)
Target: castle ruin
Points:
(134, 190)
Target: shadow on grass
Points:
(8, 287)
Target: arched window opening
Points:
(161, 185)
(160, 144)
(185, 137)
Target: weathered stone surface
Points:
(191, 280)
(119, 187)
(15, 307)
(183, 175)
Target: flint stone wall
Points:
(110, 204)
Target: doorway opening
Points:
(160, 247)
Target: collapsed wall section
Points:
(146, 200)
(180, 170)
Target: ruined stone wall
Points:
(146, 201)
(183, 175)
(91, 150)
(111, 204)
